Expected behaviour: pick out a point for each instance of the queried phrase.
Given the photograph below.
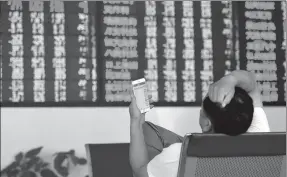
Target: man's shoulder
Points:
(259, 113)
(171, 153)
(173, 147)
(260, 121)
(166, 163)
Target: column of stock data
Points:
(13, 54)
(283, 7)
(60, 55)
(38, 53)
(119, 49)
(261, 42)
(81, 52)
(228, 34)
(188, 70)
(168, 54)
(150, 48)
(207, 50)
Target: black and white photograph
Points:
(143, 88)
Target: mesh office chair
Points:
(248, 155)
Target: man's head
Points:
(234, 119)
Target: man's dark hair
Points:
(235, 118)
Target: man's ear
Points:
(207, 126)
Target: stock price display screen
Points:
(87, 53)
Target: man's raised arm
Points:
(247, 81)
(223, 90)
(138, 151)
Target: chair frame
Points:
(249, 144)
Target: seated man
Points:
(232, 106)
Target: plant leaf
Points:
(19, 157)
(74, 159)
(48, 173)
(82, 161)
(59, 159)
(66, 153)
(33, 152)
(39, 166)
(28, 174)
(72, 152)
(13, 172)
(31, 163)
(10, 168)
(45, 165)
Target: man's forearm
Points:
(138, 150)
(245, 80)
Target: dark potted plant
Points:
(30, 164)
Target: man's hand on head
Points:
(223, 90)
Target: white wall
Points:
(60, 129)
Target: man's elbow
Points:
(141, 172)
(254, 91)
(252, 76)
(246, 79)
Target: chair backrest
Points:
(247, 155)
(110, 160)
